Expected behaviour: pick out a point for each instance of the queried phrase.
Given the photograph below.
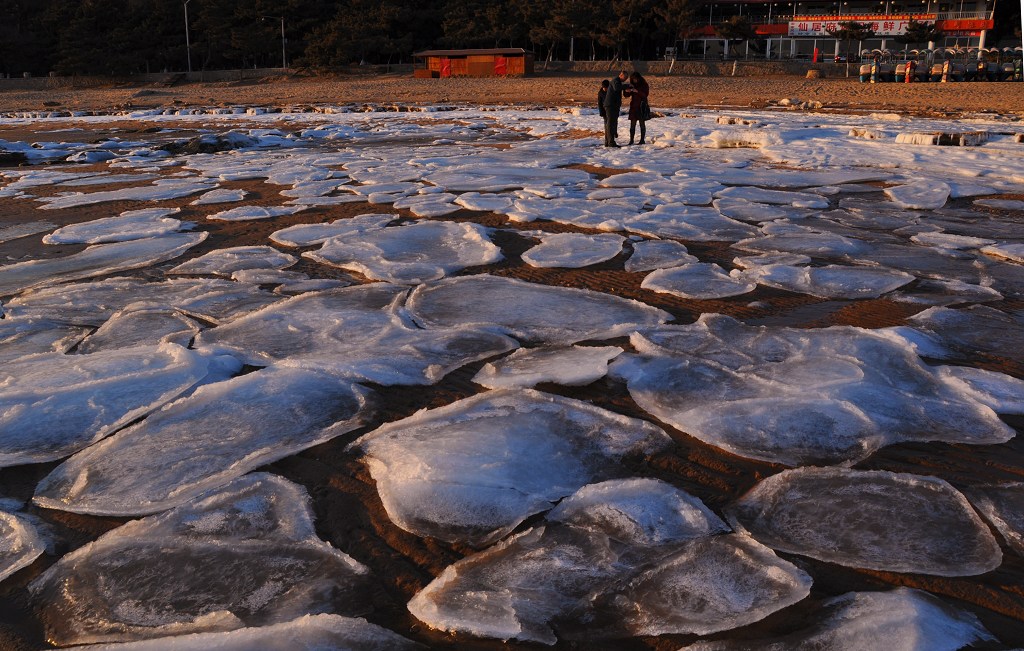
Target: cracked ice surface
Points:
(619, 558)
(574, 250)
(244, 555)
(307, 633)
(220, 432)
(530, 311)
(978, 328)
(894, 522)
(355, 331)
(1003, 506)
(832, 281)
(138, 327)
(224, 262)
(572, 366)
(31, 336)
(20, 544)
(902, 619)
(53, 405)
(130, 225)
(798, 396)
(161, 190)
(412, 254)
(311, 234)
(649, 255)
(97, 260)
(473, 470)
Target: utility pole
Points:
(188, 44)
(284, 58)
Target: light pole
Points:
(284, 58)
(188, 45)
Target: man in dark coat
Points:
(612, 106)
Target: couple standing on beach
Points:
(609, 100)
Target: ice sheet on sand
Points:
(787, 178)
(130, 225)
(1002, 393)
(161, 190)
(419, 252)
(975, 329)
(832, 281)
(799, 396)
(573, 250)
(804, 241)
(20, 544)
(205, 440)
(950, 241)
(1012, 252)
(97, 260)
(768, 259)
(224, 262)
(779, 197)
(748, 211)
(250, 213)
(311, 234)
(556, 315)
(893, 522)
(244, 555)
(572, 366)
(1003, 506)
(699, 280)
(688, 223)
(486, 202)
(902, 620)
(586, 213)
(53, 405)
(139, 327)
(1001, 204)
(617, 559)
(649, 255)
(920, 195)
(212, 299)
(945, 293)
(15, 231)
(269, 276)
(355, 331)
(470, 472)
(434, 204)
(31, 336)
(497, 177)
(220, 195)
(307, 633)
(630, 179)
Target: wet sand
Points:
(351, 517)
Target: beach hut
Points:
(497, 62)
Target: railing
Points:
(966, 15)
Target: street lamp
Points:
(284, 59)
(188, 45)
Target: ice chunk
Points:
(556, 315)
(250, 213)
(97, 260)
(420, 252)
(791, 178)
(798, 396)
(355, 331)
(574, 250)
(804, 241)
(572, 366)
(224, 262)
(15, 231)
(699, 280)
(497, 177)
(161, 190)
(1013, 252)
(485, 202)
(902, 619)
(220, 432)
(894, 522)
(220, 196)
(832, 281)
(768, 259)
(760, 195)
(1001, 204)
(1002, 393)
(311, 234)
(20, 544)
(137, 327)
(630, 179)
(946, 292)
(130, 225)
(271, 277)
(245, 555)
(975, 329)
(52, 405)
(748, 211)
(473, 470)
(950, 241)
(307, 633)
(93, 303)
(658, 254)
(433, 204)
(1003, 506)
(920, 195)
(21, 337)
(689, 223)
(568, 574)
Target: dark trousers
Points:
(611, 125)
(632, 131)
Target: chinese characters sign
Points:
(891, 25)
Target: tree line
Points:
(118, 37)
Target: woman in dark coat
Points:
(637, 93)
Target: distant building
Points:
(796, 29)
(497, 62)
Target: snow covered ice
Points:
(902, 620)
(473, 470)
(224, 262)
(130, 225)
(617, 559)
(204, 440)
(252, 556)
(895, 522)
(573, 250)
